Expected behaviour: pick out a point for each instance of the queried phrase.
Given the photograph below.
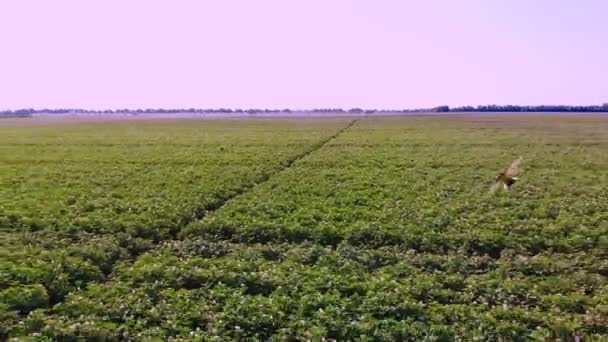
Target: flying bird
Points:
(507, 177)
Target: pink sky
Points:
(301, 54)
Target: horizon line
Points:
(602, 107)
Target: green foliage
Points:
(256, 230)
(24, 298)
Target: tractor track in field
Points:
(209, 208)
(200, 213)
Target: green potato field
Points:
(304, 229)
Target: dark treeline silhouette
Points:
(543, 108)
(440, 109)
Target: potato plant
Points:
(305, 229)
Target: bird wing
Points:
(495, 186)
(498, 181)
(513, 170)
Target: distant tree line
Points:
(543, 108)
(439, 109)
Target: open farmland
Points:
(306, 228)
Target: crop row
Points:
(197, 288)
(426, 197)
(248, 230)
(77, 198)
